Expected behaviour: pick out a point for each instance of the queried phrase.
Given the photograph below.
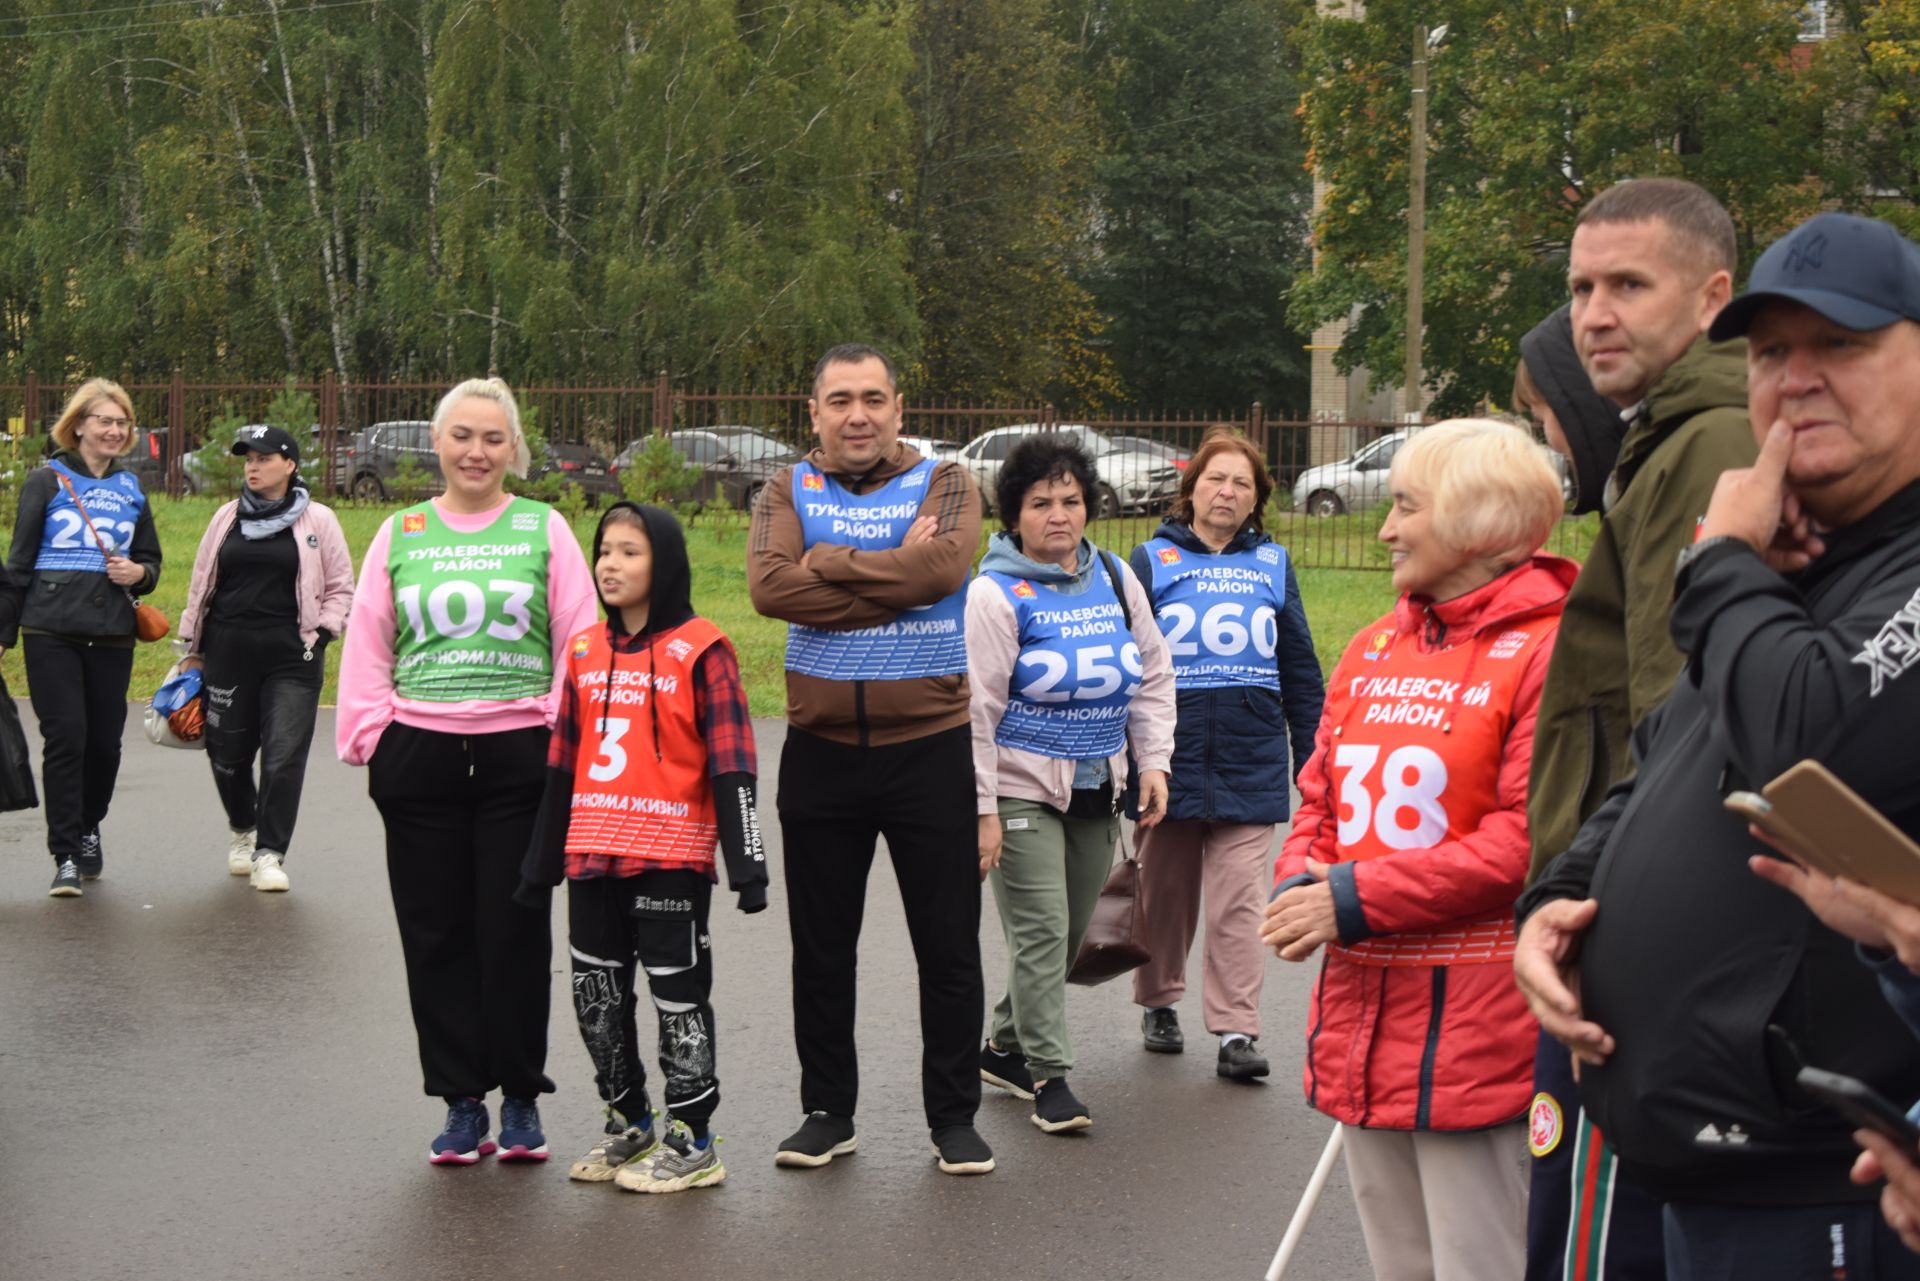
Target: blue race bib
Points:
(925, 641)
(113, 502)
(1220, 613)
(1076, 675)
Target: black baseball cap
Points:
(1860, 273)
(266, 440)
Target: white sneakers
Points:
(267, 873)
(240, 854)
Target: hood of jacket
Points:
(670, 599)
(1536, 584)
(1708, 375)
(1590, 422)
(1005, 557)
(1181, 535)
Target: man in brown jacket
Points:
(863, 548)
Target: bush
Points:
(658, 474)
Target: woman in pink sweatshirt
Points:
(448, 686)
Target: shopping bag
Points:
(16, 767)
(1116, 939)
(174, 716)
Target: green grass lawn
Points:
(1340, 601)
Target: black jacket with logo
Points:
(1691, 957)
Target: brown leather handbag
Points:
(150, 622)
(1116, 940)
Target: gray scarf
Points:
(263, 518)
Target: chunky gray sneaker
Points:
(66, 881)
(616, 1150)
(677, 1165)
(1160, 1031)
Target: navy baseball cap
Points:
(1859, 273)
(266, 440)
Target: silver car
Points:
(1358, 483)
(1129, 481)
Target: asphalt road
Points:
(201, 1081)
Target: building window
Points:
(1813, 20)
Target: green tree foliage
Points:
(1000, 217)
(585, 190)
(1204, 198)
(1535, 107)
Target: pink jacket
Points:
(323, 585)
(368, 702)
(992, 648)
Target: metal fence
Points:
(1329, 477)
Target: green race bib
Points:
(470, 610)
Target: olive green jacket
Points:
(1614, 661)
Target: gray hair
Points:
(497, 391)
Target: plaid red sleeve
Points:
(720, 706)
(565, 745)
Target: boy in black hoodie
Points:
(652, 763)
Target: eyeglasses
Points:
(106, 421)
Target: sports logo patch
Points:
(580, 646)
(679, 649)
(1023, 588)
(526, 522)
(413, 523)
(813, 480)
(1545, 1125)
(1268, 553)
(1377, 646)
(1507, 644)
(1169, 556)
(915, 480)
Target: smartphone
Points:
(1825, 825)
(1861, 1104)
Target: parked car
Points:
(369, 461)
(927, 447)
(581, 465)
(735, 462)
(1129, 481)
(1358, 483)
(1163, 450)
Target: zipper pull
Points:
(307, 656)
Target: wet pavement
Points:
(201, 1081)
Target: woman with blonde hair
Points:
(448, 687)
(1409, 849)
(84, 547)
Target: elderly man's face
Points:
(1852, 398)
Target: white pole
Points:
(1304, 1211)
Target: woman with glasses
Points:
(83, 548)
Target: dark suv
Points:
(368, 464)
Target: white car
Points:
(1128, 481)
(927, 447)
(1354, 484)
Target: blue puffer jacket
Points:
(1230, 760)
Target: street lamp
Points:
(1424, 41)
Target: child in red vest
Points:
(652, 764)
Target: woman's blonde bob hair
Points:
(1491, 489)
(497, 391)
(66, 431)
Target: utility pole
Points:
(1417, 224)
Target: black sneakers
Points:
(1006, 1070)
(93, 859)
(962, 1151)
(820, 1138)
(66, 881)
(1160, 1030)
(1056, 1111)
(1239, 1061)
